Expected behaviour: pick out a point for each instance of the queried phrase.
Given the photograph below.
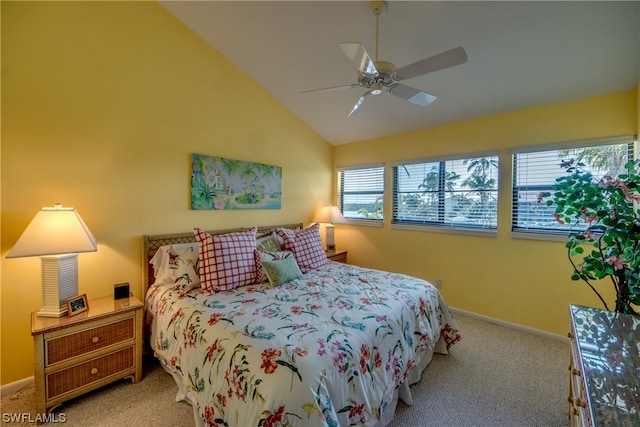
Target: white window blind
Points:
(535, 172)
(361, 192)
(451, 193)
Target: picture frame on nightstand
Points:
(77, 305)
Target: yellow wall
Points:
(520, 281)
(102, 105)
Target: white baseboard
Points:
(541, 333)
(9, 389)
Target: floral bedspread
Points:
(328, 349)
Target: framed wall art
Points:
(219, 183)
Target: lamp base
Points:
(329, 239)
(59, 282)
(43, 312)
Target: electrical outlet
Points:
(438, 283)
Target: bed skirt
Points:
(402, 392)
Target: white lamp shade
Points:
(54, 231)
(329, 215)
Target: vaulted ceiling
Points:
(520, 54)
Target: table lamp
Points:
(329, 215)
(56, 235)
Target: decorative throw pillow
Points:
(267, 243)
(185, 282)
(261, 277)
(269, 256)
(281, 270)
(226, 261)
(176, 264)
(306, 246)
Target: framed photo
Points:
(77, 305)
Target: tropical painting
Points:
(219, 183)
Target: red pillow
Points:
(227, 260)
(261, 276)
(306, 246)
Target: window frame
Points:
(440, 225)
(340, 193)
(541, 233)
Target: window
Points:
(452, 193)
(535, 171)
(361, 193)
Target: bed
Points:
(328, 345)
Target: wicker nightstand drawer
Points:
(69, 346)
(74, 355)
(77, 376)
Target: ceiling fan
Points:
(381, 76)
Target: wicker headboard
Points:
(154, 242)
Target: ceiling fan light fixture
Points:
(376, 88)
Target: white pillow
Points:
(177, 263)
(268, 242)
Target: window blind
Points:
(535, 172)
(451, 193)
(361, 192)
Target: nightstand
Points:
(339, 256)
(74, 355)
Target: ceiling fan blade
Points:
(358, 54)
(412, 95)
(329, 89)
(437, 62)
(360, 104)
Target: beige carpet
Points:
(494, 377)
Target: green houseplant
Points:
(604, 241)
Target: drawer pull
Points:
(577, 401)
(94, 371)
(95, 339)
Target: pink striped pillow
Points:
(226, 261)
(306, 246)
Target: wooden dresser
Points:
(604, 384)
(74, 355)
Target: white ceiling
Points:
(521, 54)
